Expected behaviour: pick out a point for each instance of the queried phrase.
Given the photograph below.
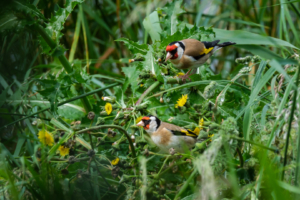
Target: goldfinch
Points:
(164, 134)
(191, 53)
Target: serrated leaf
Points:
(25, 6)
(134, 46)
(51, 95)
(172, 10)
(151, 65)
(152, 26)
(56, 23)
(120, 96)
(187, 32)
(9, 22)
(131, 78)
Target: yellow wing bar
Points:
(206, 51)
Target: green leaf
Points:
(10, 22)
(151, 65)
(173, 10)
(256, 90)
(25, 6)
(12, 15)
(83, 142)
(68, 110)
(245, 37)
(120, 96)
(134, 47)
(187, 32)
(56, 23)
(261, 51)
(51, 95)
(289, 187)
(132, 76)
(152, 26)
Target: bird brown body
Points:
(163, 135)
(191, 53)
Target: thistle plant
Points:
(76, 136)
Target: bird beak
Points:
(141, 123)
(168, 56)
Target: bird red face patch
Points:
(171, 48)
(145, 118)
(147, 127)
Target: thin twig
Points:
(152, 87)
(101, 174)
(112, 126)
(16, 114)
(62, 103)
(251, 142)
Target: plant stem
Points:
(290, 121)
(101, 174)
(63, 60)
(163, 165)
(62, 103)
(16, 114)
(259, 145)
(112, 126)
(186, 184)
(53, 45)
(152, 87)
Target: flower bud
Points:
(91, 115)
(172, 151)
(132, 138)
(100, 121)
(111, 133)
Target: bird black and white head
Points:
(150, 123)
(175, 50)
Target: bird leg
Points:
(187, 75)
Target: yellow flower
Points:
(181, 101)
(46, 137)
(108, 108)
(180, 74)
(139, 119)
(115, 161)
(63, 151)
(141, 85)
(201, 122)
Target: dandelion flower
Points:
(141, 85)
(108, 108)
(63, 151)
(180, 74)
(181, 101)
(201, 123)
(46, 137)
(115, 161)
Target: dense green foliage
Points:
(77, 76)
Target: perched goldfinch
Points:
(164, 134)
(191, 53)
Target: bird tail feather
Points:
(226, 44)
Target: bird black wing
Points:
(184, 132)
(211, 44)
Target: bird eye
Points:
(173, 51)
